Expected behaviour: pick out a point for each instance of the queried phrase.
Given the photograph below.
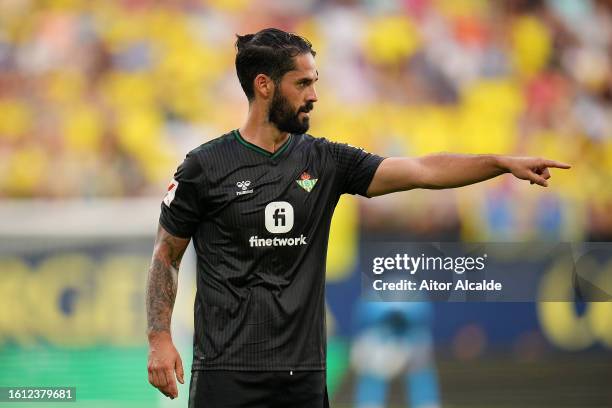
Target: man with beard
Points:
(258, 203)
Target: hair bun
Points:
(242, 40)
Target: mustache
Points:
(306, 108)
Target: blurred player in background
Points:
(258, 202)
(394, 339)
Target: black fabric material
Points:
(260, 226)
(258, 389)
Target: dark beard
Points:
(284, 119)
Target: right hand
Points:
(164, 361)
(534, 169)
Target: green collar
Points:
(258, 149)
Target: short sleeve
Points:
(181, 209)
(355, 166)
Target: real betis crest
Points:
(306, 182)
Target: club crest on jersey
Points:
(306, 182)
(244, 187)
(171, 192)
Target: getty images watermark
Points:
(413, 264)
(506, 272)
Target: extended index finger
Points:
(556, 164)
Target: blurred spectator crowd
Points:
(104, 98)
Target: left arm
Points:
(445, 170)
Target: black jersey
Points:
(260, 225)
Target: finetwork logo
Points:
(279, 220)
(255, 241)
(279, 217)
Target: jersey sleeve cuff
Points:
(172, 230)
(370, 176)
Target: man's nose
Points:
(312, 96)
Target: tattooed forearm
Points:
(161, 292)
(162, 280)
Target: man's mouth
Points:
(306, 109)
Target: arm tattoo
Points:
(163, 280)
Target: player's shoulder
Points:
(195, 159)
(218, 143)
(323, 144)
(320, 141)
(308, 138)
(309, 141)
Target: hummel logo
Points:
(244, 185)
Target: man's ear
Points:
(263, 85)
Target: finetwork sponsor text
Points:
(255, 241)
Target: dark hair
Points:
(270, 52)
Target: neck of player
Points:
(259, 131)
